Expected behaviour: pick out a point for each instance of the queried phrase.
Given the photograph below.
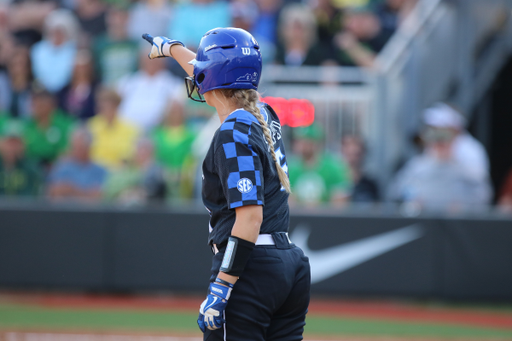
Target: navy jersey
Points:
(238, 170)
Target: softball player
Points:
(260, 281)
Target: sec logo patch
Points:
(244, 185)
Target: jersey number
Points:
(284, 166)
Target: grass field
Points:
(22, 316)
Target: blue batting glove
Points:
(212, 309)
(200, 322)
(160, 46)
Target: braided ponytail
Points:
(248, 99)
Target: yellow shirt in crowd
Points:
(112, 144)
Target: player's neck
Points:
(224, 111)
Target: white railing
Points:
(432, 57)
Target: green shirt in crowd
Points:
(24, 179)
(115, 59)
(4, 120)
(320, 182)
(173, 146)
(46, 144)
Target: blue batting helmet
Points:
(227, 58)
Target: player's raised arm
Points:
(164, 47)
(245, 188)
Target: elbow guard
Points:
(236, 255)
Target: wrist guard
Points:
(236, 255)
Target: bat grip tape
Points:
(236, 255)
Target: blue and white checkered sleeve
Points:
(239, 166)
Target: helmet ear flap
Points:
(200, 78)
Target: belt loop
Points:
(282, 241)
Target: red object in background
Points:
(292, 112)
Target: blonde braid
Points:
(248, 99)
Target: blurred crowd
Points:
(85, 115)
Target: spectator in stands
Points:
(244, 14)
(193, 18)
(392, 12)
(173, 143)
(147, 93)
(140, 181)
(149, 16)
(505, 195)
(115, 54)
(113, 137)
(46, 131)
(17, 93)
(77, 98)
(26, 17)
(53, 57)
(364, 189)
(265, 29)
(328, 18)
(437, 179)
(76, 176)
(362, 38)
(4, 21)
(6, 52)
(465, 148)
(298, 45)
(19, 176)
(316, 177)
(91, 15)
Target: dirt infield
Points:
(47, 336)
(69, 336)
(389, 311)
(355, 323)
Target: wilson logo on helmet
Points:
(246, 51)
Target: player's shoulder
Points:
(238, 116)
(236, 128)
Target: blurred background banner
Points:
(383, 255)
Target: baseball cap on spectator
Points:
(62, 19)
(313, 133)
(441, 115)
